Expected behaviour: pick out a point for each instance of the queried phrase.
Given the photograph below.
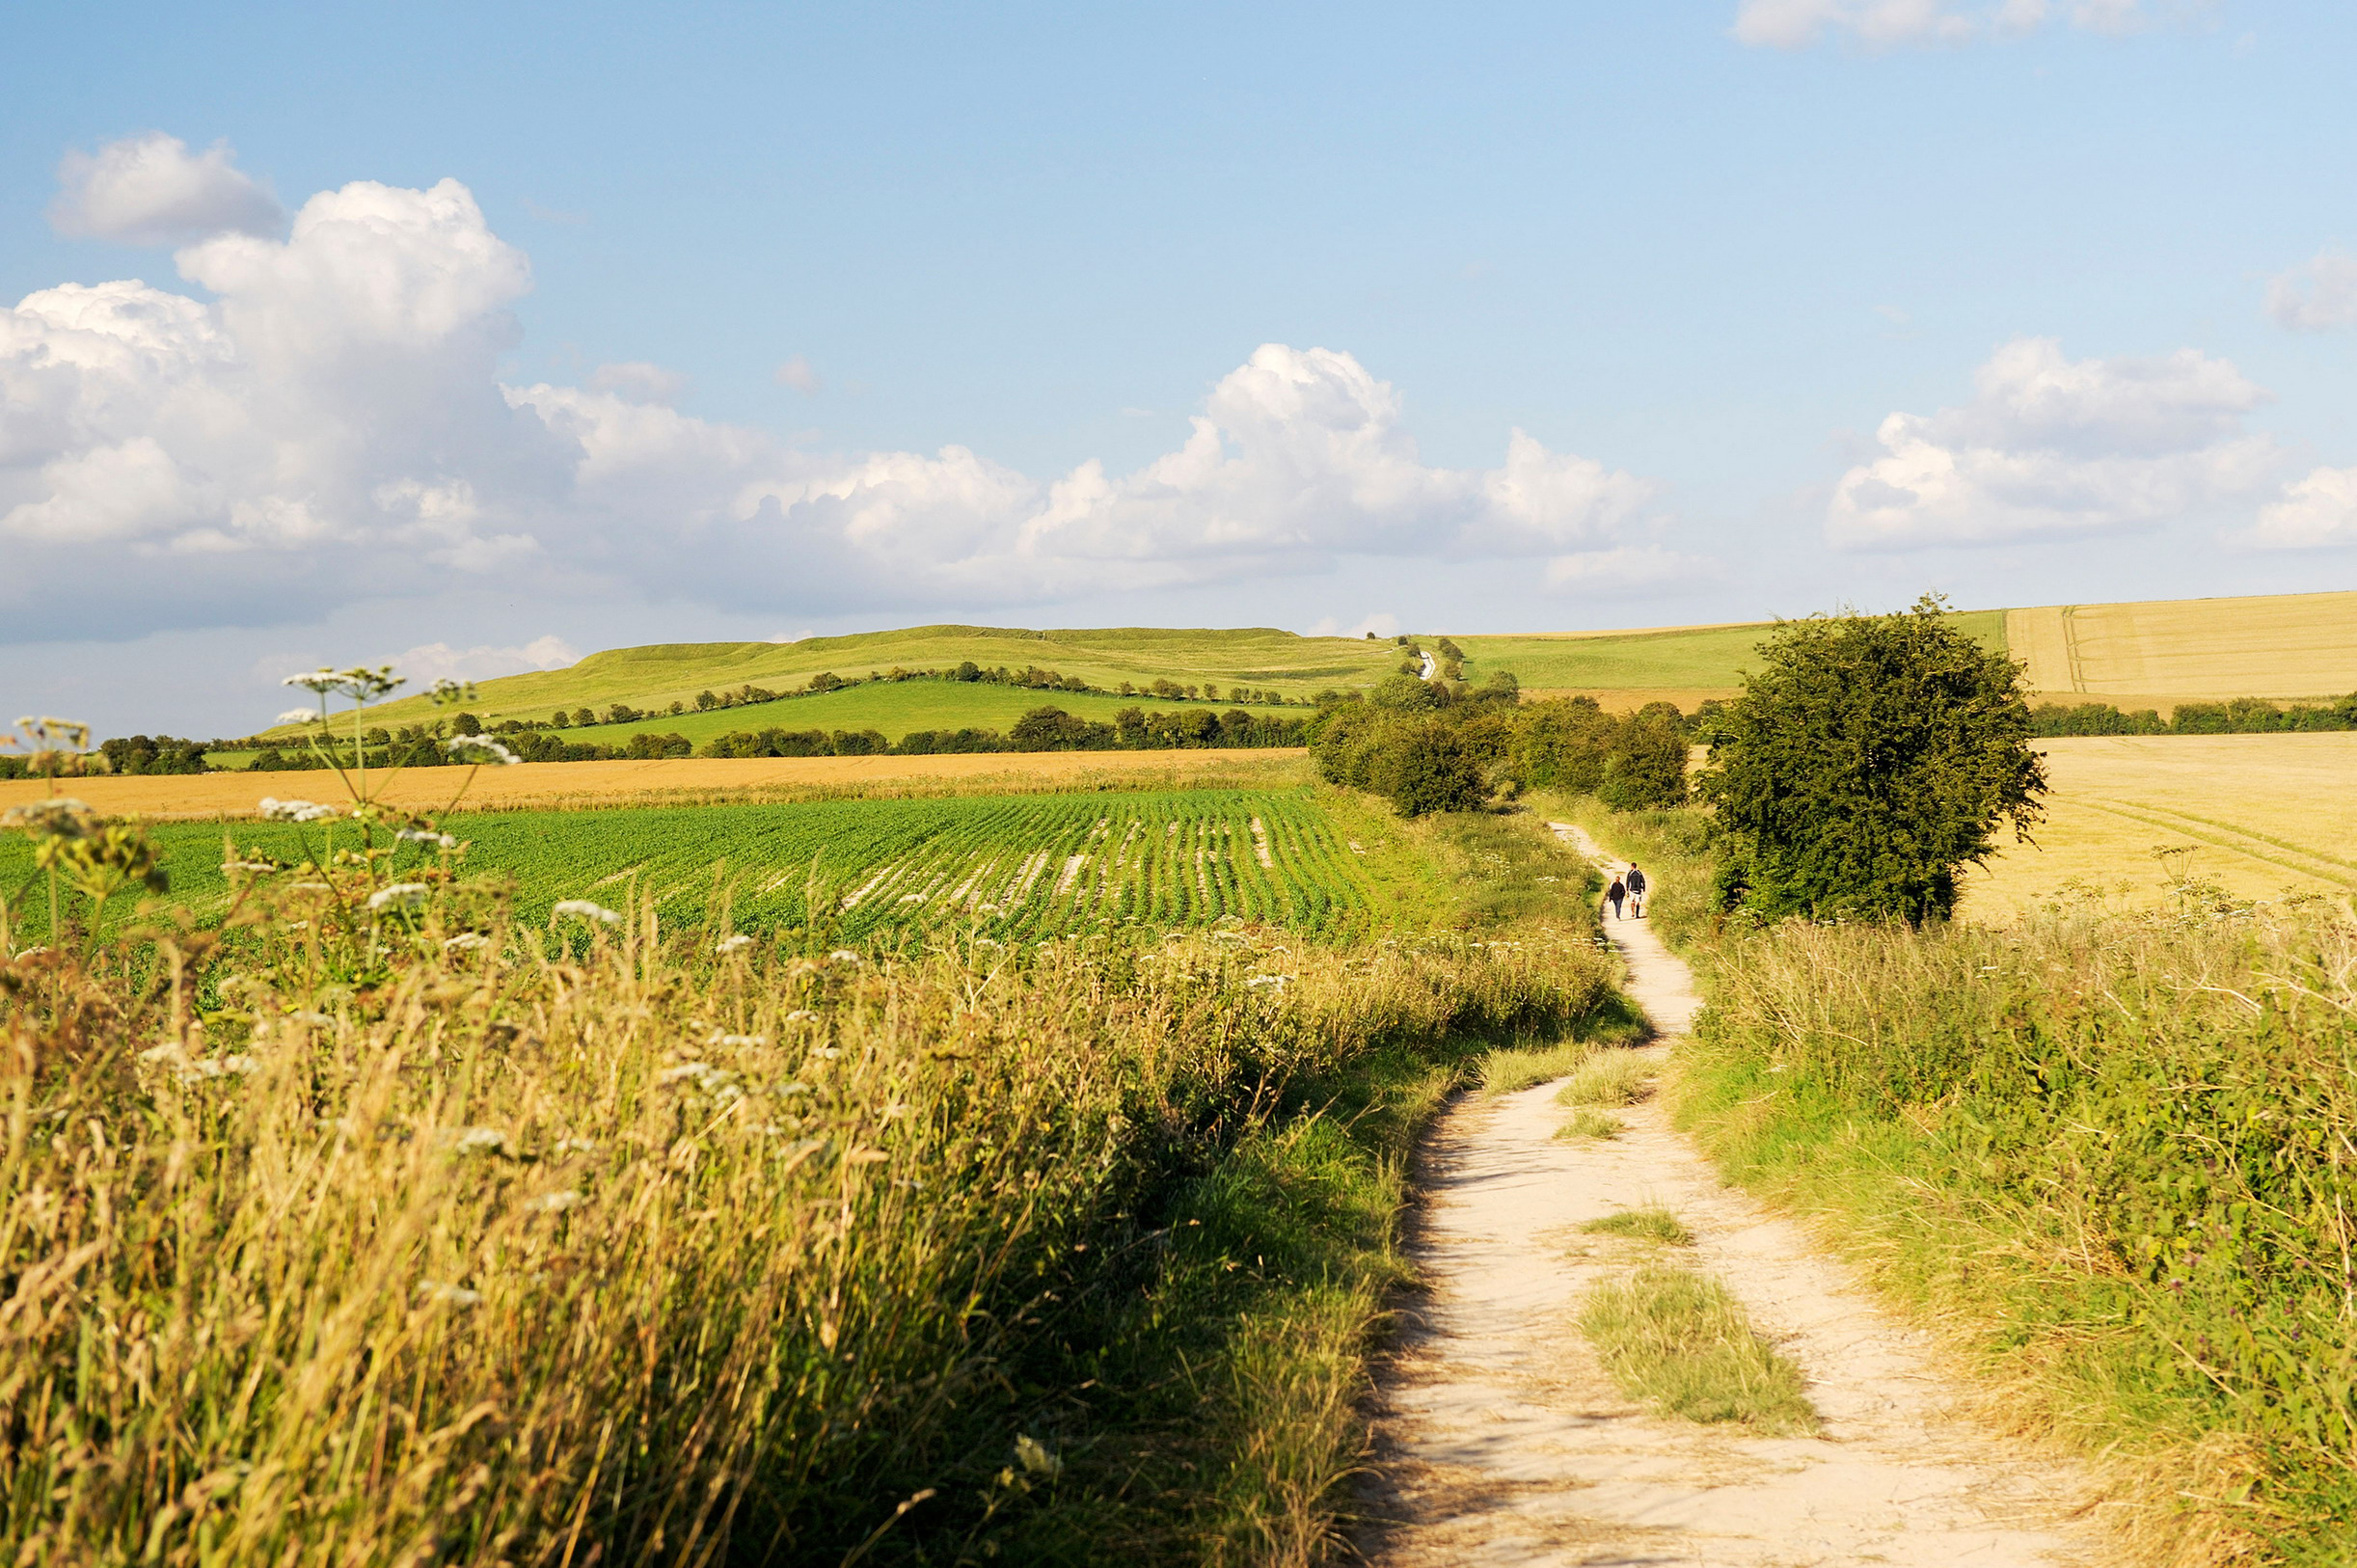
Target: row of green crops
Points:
(1006, 866)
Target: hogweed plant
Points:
(74, 849)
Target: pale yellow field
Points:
(2162, 652)
(575, 784)
(2265, 815)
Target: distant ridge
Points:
(2147, 653)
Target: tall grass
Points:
(490, 1247)
(2115, 1151)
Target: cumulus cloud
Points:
(1882, 24)
(2052, 446)
(2318, 511)
(152, 190)
(332, 422)
(2316, 295)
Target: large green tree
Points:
(1870, 759)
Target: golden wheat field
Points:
(2263, 815)
(679, 780)
(2158, 653)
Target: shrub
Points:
(1868, 761)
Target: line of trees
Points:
(1046, 728)
(1441, 745)
(2243, 715)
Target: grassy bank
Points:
(408, 1236)
(2108, 1154)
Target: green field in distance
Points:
(659, 674)
(895, 708)
(1008, 867)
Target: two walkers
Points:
(1628, 886)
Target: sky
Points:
(477, 339)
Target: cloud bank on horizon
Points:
(332, 421)
(1881, 24)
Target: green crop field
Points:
(895, 708)
(1008, 867)
(657, 675)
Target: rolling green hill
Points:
(893, 707)
(657, 675)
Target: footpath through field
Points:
(1501, 1441)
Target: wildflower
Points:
(576, 1145)
(801, 1015)
(739, 1041)
(556, 1202)
(309, 887)
(1034, 1456)
(273, 809)
(843, 955)
(426, 835)
(479, 749)
(583, 909)
(448, 1295)
(714, 1081)
(467, 941)
(446, 690)
(479, 1140)
(302, 716)
(1258, 980)
(258, 866)
(732, 944)
(399, 896)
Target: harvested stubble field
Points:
(2158, 653)
(686, 779)
(2265, 816)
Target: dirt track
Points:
(1501, 1442)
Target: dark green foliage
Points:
(1427, 765)
(2243, 715)
(1869, 760)
(1404, 693)
(1646, 768)
(153, 754)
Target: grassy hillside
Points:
(1670, 660)
(894, 707)
(663, 674)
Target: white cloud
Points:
(2053, 447)
(433, 662)
(2317, 511)
(798, 373)
(2316, 295)
(1882, 24)
(332, 424)
(152, 190)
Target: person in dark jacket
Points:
(1614, 894)
(1635, 883)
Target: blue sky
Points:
(679, 353)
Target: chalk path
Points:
(1500, 1440)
